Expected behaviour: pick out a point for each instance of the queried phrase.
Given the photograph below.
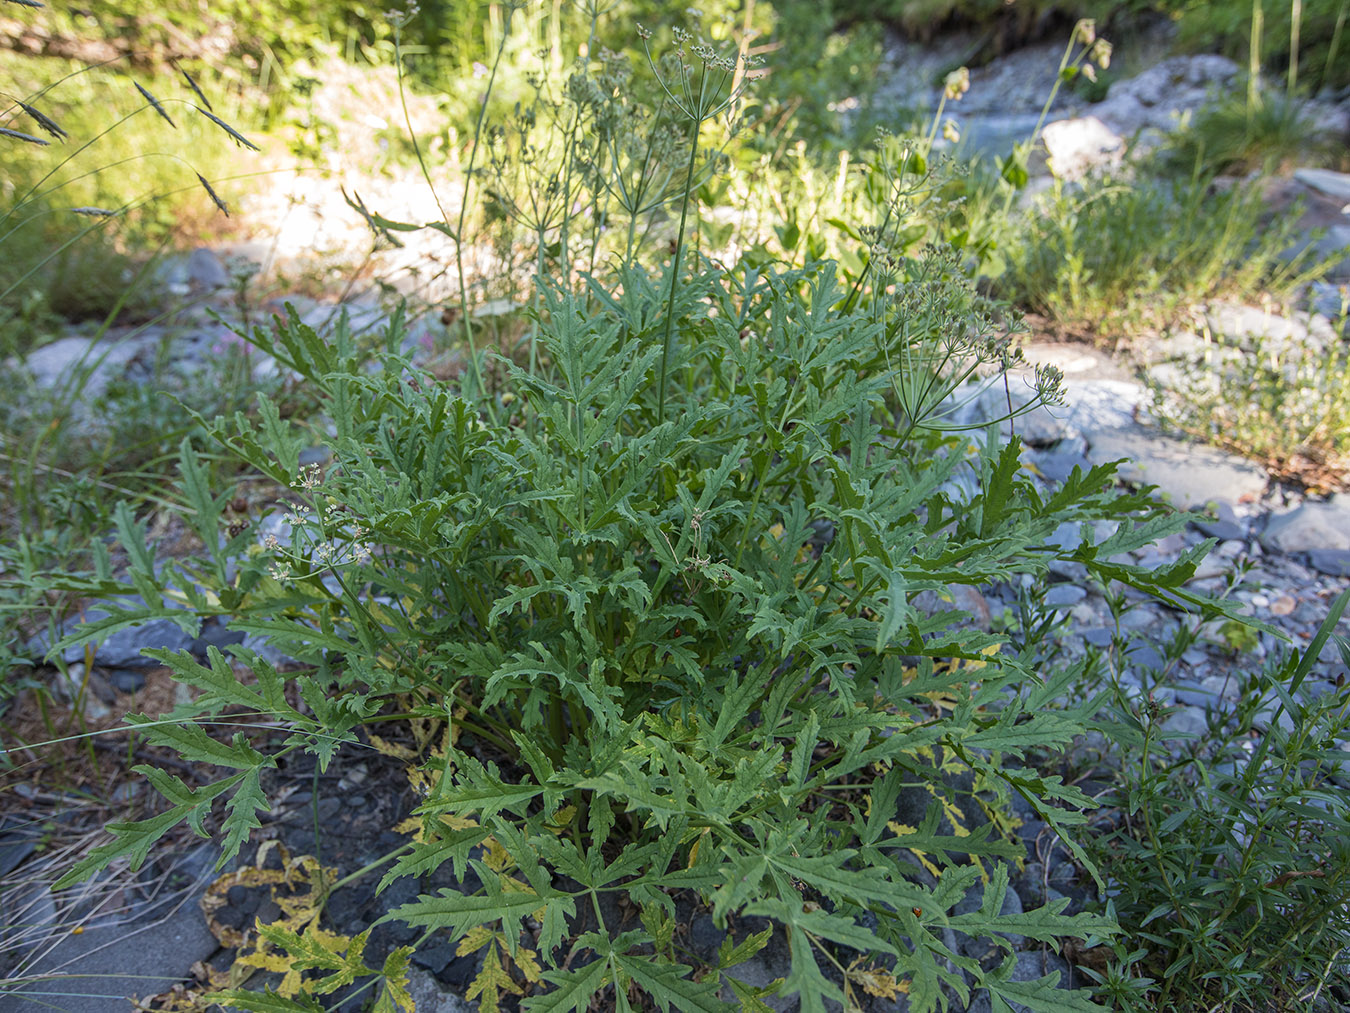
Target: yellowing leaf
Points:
(492, 980)
(395, 973)
(475, 939)
(878, 982)
(395, 749)
(497, 858)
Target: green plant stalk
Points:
(679, 250)
(1295, 24)
(464, 206)
(1335, 43)
(1254, 57)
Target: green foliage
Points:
(1120, 254)
(625, 616)
(1236, 136)
(1287, 404)
(1226, 25)
(1229, 857)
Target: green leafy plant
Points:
(1135, 252)
(1236, 136)
(626, 619)
(1286, 404)
(1227, 854)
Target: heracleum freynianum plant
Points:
(651, 607)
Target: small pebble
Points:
(1282, 605)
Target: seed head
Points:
(193, 85)
(154, 103)
(214, 196)
(239, 138)
(19, 136)
(956, 84)
(44, 121)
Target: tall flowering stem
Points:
(699, 98)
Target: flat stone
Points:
(1247, 324)
(80, 363)
(1098, 637)
(1097, 405)
(1333, 184)
(1329, 300)
(1332, 562)
(1194, 696)
(1310, 526)
(979, 947)
(429, 997)
(143, 953)
(1188, 475)
(1225, 526)
(121, 649)
(1056, 466)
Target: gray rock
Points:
(1185, 474)
(1034, 964)
(763, 968)
(1226, 526)
(1064, 596)
(1098, 636)
(1158, 97)
(81, 364)
(1224, 687)
(121, 649)
(1186, 721)
(429, 996)
(1332, 562)
(1333, 246)
(1248, 324)
(1329, 300)
(1145, 656)
(144, 952)
(1193, 695)
(1333, 184)
(1310, 526)
(1097, 405)
(705, 937)
(1057, 464)
(205, 272)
